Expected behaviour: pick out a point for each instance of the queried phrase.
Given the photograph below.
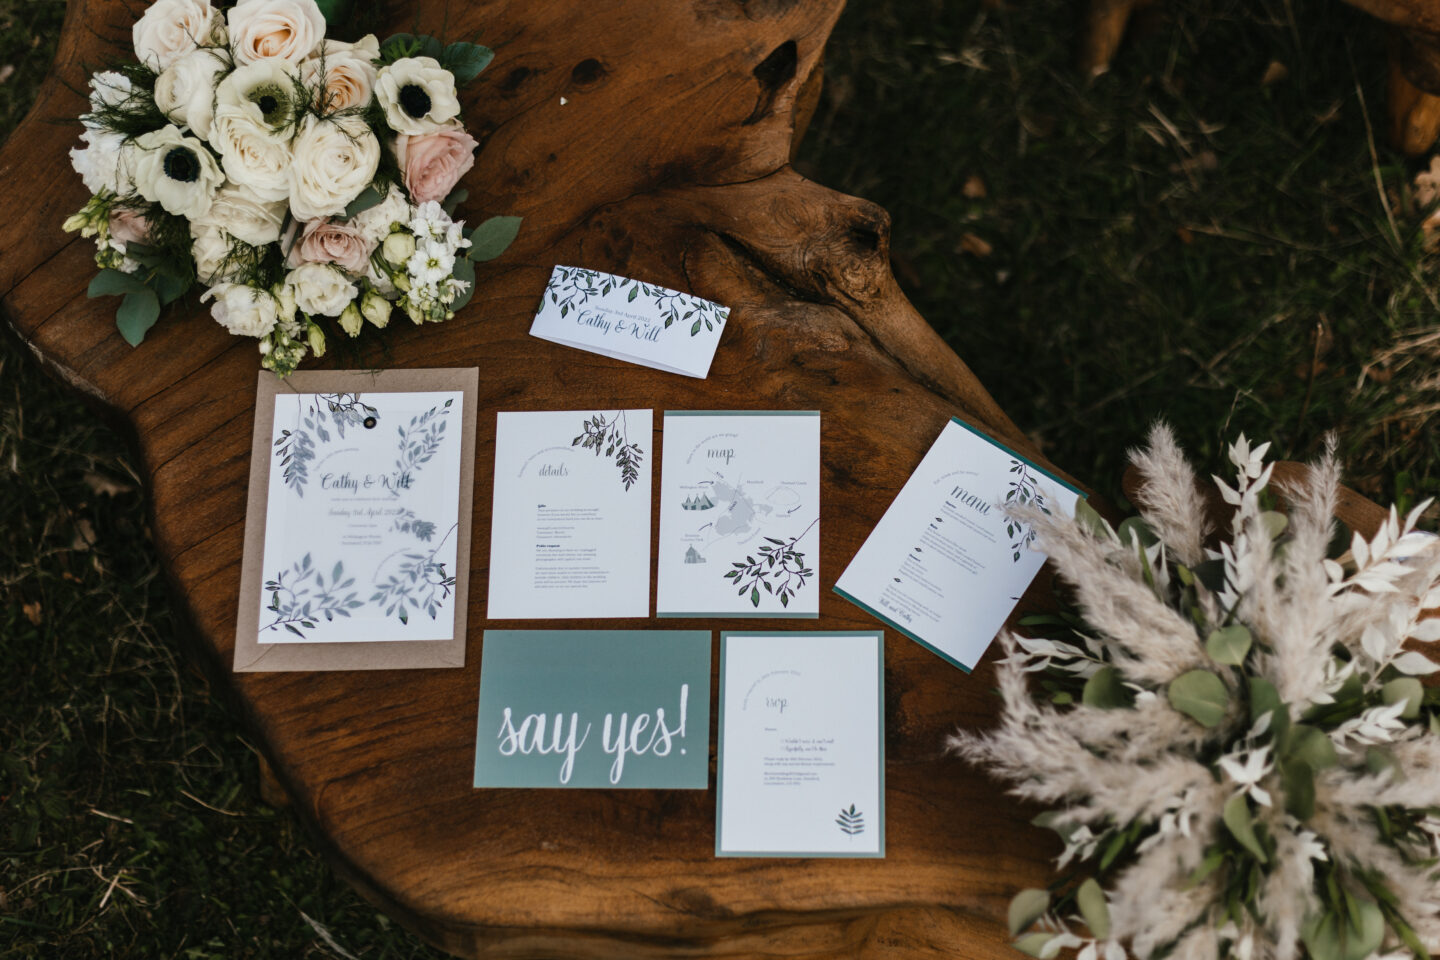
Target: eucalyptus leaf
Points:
(1229, 645)
(114, 283)
(1321, 937)
(368, 198)
(1091, 520)
(493, 237)
(1091, 900)
(335, 11)
(457, 196)
(1105, 690)
(1274, 523)
(169, 288)
(464, 270)
(1311, 746)
(1408, 689)
(1200, 695)
(1364, 938)
(466, 60)
(137, 314)
(1027, 907)
(1242, 826)
(1033, 944)
(1135, 528)
(1263, 697)
(1298, 778)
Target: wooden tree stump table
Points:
(650, 139)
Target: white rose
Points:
(107, 89)
(321, 289)
(243, 310)
(335, 159)
(210, 249)
(264, 93)
(375, 222)
(418, 95)
(275, 29)
(185, 90)
(169, 29)
(106, 162)
(343, 74)
(245, 215)
(250, 154)
(176, 172)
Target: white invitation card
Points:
(631, 320)
(946, 564)
(802, 746)
(740, 514)
(358, 525)
(570, 529)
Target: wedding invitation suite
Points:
(570, 530)
(946, 564)
(630, 320)
(594, 708)
(740, 514)
(357, 533)
(802, 747)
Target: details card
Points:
(740, 514)
(570, 530)
(358, 527)
(946, 565)
(802, 748)
(594, 708)
(630, 320)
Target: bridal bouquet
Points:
(1237, 750)
(301, 180)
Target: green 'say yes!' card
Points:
(594, 708)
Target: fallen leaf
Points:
(1274, 73)
(32, 612)
(974, 187)
(974, 246)
(103, 484)
(84, 535)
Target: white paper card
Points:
(362, 517)
(945, 566)
(802, 750)
(570, 530)
(740, 515)
(629, 319)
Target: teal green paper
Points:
(633, 678)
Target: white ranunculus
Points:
(176, 171)
(375, 222)
(169, 29)
(264, 93)
(250, 153)
(342, 73)
(106, 162)
(417, 94)
(245, 215)
(243, 310)
(275, 29)
(334, 161)
(107, 89)
(321, 289)
(185, 90)
(210, 249)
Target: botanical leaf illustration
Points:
(408, 522)
(420, 441)
(777, 567)
(1023, 489)
(300, 596)
(852, 821)
(609, 435)
(572, 287)
(297, 447)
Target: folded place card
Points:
(740, 514)
(357, 531)
(570, 530)
(594, 708)
(630, 320)
(946, 564)
(802, 746)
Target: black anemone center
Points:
(415, 100)
(180, 164)
(268, 104)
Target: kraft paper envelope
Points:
(382, 499)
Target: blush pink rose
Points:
(434, 162)
(128, 226)
(342, 244)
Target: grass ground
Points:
(1181, 238)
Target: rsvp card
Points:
(594, 708)
(570, 531)
(358, 527)
(946, 565)
(802, 750)
(632, 320)
(740, 514)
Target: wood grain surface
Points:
(650, 139)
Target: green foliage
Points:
(1106, 690)
(1027, 907)
(1229, 645)
(466, 60)
(493, 237)
(138, 312)
(1241, 825)
(1200, 695)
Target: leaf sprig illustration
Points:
(572, 287)
(1023, 489)
(296, 448)
(306, 597)
(408, 522)
(777, 567)
(610, 436)
(420, 441)
(852, 821)
(420, 584)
